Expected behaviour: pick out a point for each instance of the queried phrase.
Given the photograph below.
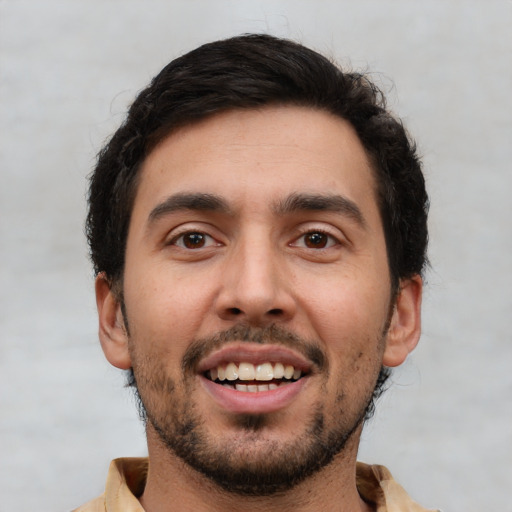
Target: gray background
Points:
(68, 71)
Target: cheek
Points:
(349, 319)
(164, 313)
(347, 307)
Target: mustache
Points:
(271, 334)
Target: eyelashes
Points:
(314, 239)
(194, 240)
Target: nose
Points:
(255, 288)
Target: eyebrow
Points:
(197, 201)
(320, 202)
(189, 201)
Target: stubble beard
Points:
(252, 463)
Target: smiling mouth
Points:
(250, 378)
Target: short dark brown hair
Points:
(247, 72)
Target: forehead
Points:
(251, 154)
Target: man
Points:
(258, 231)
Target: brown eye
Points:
(316, 240)
(193, 240)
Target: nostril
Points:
(274, 312)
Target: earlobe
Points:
(112, 332)
(405, 327)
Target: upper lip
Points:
(255, 353)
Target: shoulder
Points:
(125, 483)
(96, 505)
(376, 485)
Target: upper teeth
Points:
(249, 371)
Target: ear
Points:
(112, 331)
(405, 327)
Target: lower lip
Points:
(261, 402)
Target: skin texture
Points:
(267, 272)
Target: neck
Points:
(173, 486)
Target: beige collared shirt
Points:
(127, 478)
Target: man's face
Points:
(257, 294)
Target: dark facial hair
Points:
(278, 466)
